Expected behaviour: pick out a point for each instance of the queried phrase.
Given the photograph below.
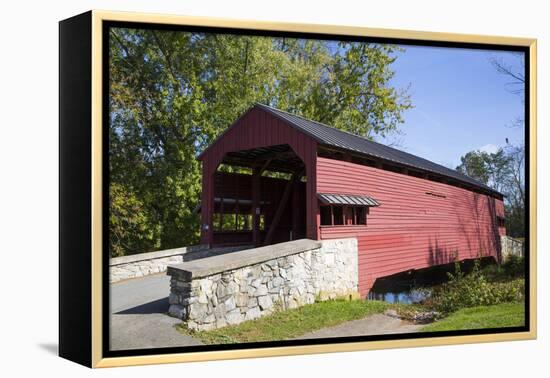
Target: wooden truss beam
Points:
(282, 204)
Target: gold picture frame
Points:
(95, 25)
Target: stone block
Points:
(262, 290)
(253, 313)
(232, 287)
(178, 311)
(265, 302)
(209, 319)
(222, 291)
(220, 322)
(278, 281)
(229, 303)
(252, 302)
(198, 311)
(206, 285)
(234, 317)
(241, 300)
(202, 298)
(173, 298)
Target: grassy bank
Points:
(497, 316)
(491, 297)
(292, 323)
(289, 324)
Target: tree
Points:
(515, 191)
(172, 93)
(492, 169)
(504, 172)
(515, 196)
(499, 169)
(516, 74)
(473, 164)
(130, 228)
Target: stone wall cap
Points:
(154, 255)
(217, 264)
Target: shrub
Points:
(131, 228)
(474, 290)
(514, 266)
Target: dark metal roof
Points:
(330, 136)
(346, 199)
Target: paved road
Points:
(138, 320)
(378, 324)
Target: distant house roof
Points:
(330, 136)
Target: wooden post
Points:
(256, 174)
(237, 205)
(281, 207)
(222, 212)
(295, 212)
(207, 203)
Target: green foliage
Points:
(504, 172)
(234, 169)
(514, 266)
(131, 230)
(515, 219)
(515, 192)
(489, 168)
(172, 93)
(482, 317)
(473, 164)
(474, 289)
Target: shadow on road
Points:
(159, 306)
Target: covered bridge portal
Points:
(274, 177)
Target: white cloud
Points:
(489, 148)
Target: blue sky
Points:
(461, 103)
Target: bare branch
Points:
(166, 54)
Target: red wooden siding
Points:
(419, 222)
(256, 129)
(410, 229)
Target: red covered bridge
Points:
(274, 176)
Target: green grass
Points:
(497, 316)
(288, 324)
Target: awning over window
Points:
(347, 199)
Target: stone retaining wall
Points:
(232, 288)
(511, 247)
(143, 264)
